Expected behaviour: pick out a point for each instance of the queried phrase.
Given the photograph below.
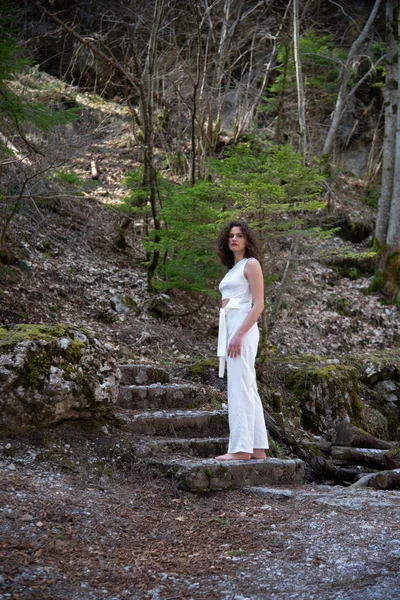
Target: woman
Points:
(242, 291)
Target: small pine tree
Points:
(192, 216)
(271, 186)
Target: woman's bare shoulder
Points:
(252, 261)
(252, 266)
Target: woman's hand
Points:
(253, 274)
(235, 346)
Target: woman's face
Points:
(236, 240)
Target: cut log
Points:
(384, 480)
(392, 459)
(387, 480)
(349, 435)
(359, 456)
(94, 169)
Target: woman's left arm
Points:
(253, 273)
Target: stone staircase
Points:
(177, 431)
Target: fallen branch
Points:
(384, 480)
(188, 313)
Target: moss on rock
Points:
(375, 423)
(12, 335)
(326, 393)
(52, 345)
(50, 373)
(199, 369)
(352, 264)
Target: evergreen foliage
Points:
(321, 62)
(72, 181)
(270, 185)
(15, 113)
(136, 202)
(191, 218)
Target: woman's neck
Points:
(238, 258)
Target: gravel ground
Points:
(91, 533)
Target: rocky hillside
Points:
(67, 266)
(82, 515)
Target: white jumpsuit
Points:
(246, 416)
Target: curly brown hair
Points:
(226, 256)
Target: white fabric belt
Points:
(234, 303)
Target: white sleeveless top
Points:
(235, 284)
(236, 288)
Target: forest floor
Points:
(76, 524)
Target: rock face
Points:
(353, 401)
(328, 394)
(52, 373)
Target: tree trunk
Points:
(341, 99)
(301, 100)
(283, 285)
(385, 480)
(393, 234)
(147, 112)
(279, 118)
(196, 84)
(388, 220)
(245, 116)
(389, 141)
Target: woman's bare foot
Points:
(258, 454)
(234, 456)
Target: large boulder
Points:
(49, 373)
(328, 394)
(318, 394)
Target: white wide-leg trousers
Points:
(246, 416)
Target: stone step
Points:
(200, 447)
(183, 424)
(210, 475)
(160, 396)
(142, 375)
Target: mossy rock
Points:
(327, 393)
(344, 307)
(10, 336)
(52, 373)
(157, 306)
(315, 392)
(204, 368)
(124, 303)
(373, 421)
(376, 366)
(352, 264)
(355, 231)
